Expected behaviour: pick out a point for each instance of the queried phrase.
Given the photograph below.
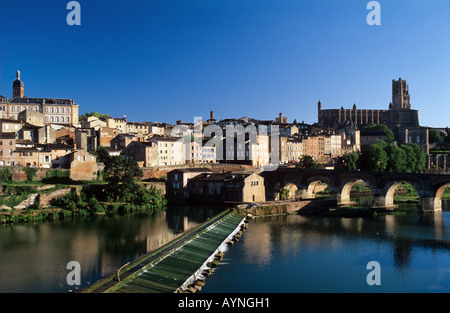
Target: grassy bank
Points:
(88, 200)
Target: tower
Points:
(400, 95)
(18, 88)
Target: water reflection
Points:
(316, 254)
(33, 257)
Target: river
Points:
(292, 253)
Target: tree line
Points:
(387, 157)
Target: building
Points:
(399, 117)
(369, 136)
(226, 187)
(314, 146)
(332, 146)
(170, 150)
(201, 153)
(293, 151)
(117, 123)
(143, 152)
(82, 164)
(59, 111)
(177, 180)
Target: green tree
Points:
(307, 161)
(351, 161)
(30, 172)
(396, 158)
(284, 194)
(376, 158)
(415, 158)
(6, 174)
(421, 158)
(434, 136)
(120, 173)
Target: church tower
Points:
(400, 95)
(18, 88)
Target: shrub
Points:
(95, 206)
(6, 174)
(30, 172)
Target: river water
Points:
(292, 253)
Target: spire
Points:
(18, 75)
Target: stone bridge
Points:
(303, 183)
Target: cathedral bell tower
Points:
(400, 95)
(18, 88)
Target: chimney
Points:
(211, 115)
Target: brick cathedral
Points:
(399, 117)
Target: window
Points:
(13, 109)
(68, 110)
(10, 152)
(10, 143)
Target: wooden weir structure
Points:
(180, 265)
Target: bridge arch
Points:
(347, 185)
(437, 201)
(386, 199)
(291, 191)
(314, 185)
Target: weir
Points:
(179, 266)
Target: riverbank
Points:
(37, 202)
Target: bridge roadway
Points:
(174, 264)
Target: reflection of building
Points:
(400, 118)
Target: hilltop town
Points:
(50, 133)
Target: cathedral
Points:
(399, 117)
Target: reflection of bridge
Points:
(303, 182)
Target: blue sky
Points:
(171, 60)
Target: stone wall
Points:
(44, 199)
(287, 207)
(157, 172)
